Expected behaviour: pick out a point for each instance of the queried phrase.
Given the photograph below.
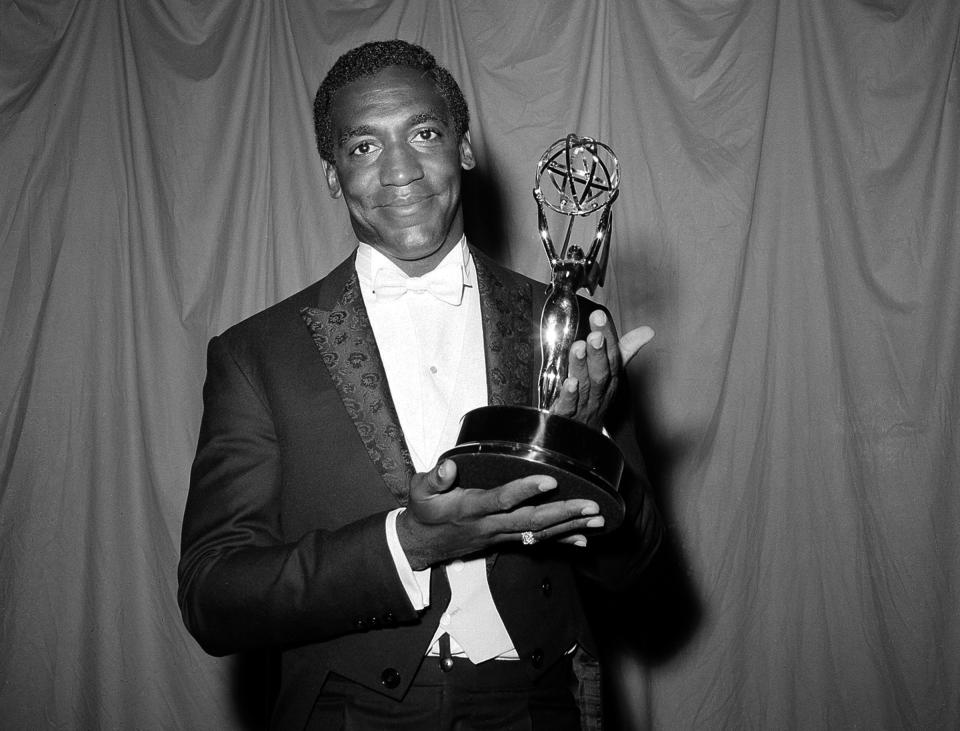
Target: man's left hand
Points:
(594, 370)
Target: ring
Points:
(527, 538)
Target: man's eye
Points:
(426, 135)
(364, 148)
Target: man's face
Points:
(397, 163)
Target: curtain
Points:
(788, 224)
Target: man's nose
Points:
(400, 166)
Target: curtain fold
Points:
(787, 223)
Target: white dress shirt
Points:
(433, 355)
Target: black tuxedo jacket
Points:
(301, 456)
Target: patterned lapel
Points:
(506, 312)
(348, 349)
(507, 335)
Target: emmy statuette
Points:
(576, 178)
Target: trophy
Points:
(576, 178)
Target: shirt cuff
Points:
(415, 583)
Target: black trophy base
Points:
(498, 444)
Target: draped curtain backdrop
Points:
(788, 223)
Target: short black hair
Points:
(369, 59)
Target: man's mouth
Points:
(404, 206)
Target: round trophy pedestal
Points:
(498, 444)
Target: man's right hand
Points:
(442, 522)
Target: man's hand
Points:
(442, 522)
(594, 370)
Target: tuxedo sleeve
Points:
(616, 560)
(241, 585)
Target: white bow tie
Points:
(445, 283)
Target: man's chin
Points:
(418, 251)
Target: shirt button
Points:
(390, 678)
(433, 370)
(457, 565)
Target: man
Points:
(319, 522)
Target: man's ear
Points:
(333, 182)
(467, 161)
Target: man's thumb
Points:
(631, 343)
(443, 476)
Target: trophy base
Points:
(498, 444)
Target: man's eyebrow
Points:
(360, 131)
(429, 116)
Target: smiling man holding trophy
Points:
(323, 521)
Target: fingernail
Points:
(595, 340)
(442, 469)
(570, 385)
(595, 522)
(599, 318)
(590, 510)
(579, 351)
(579, 541)
(547, 484)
